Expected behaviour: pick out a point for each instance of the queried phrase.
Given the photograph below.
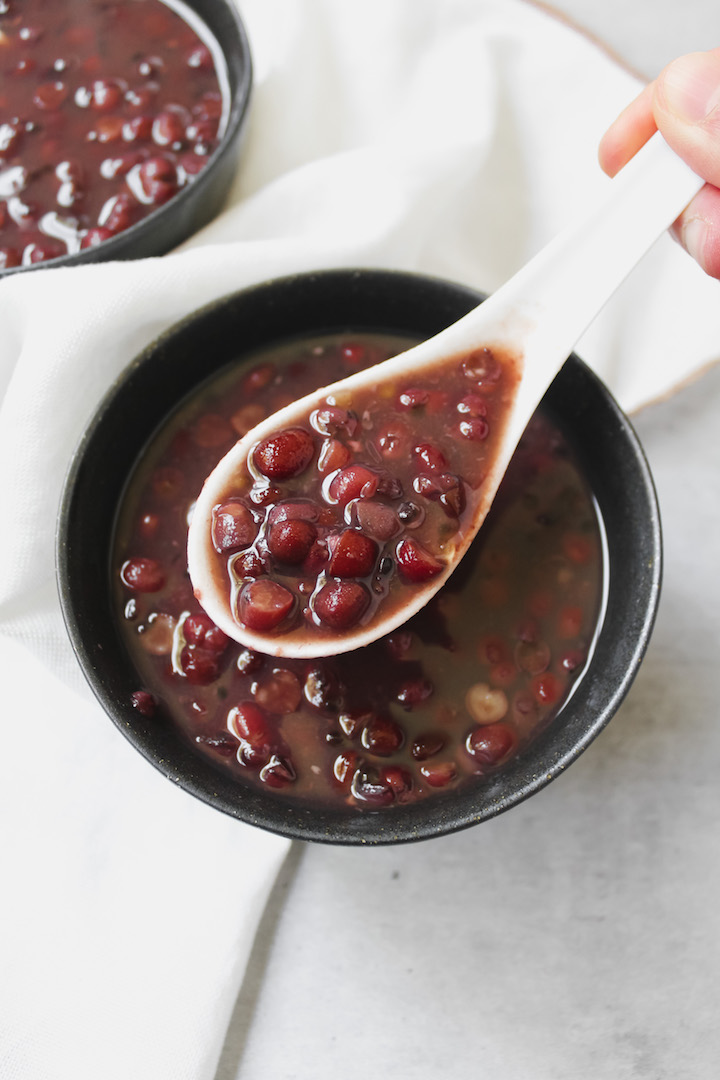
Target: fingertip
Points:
(609, 153)
(628, 133)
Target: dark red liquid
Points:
(106, 111)
(446, 700)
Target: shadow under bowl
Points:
(196, 204)
(603, 441)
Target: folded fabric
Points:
(451, 137)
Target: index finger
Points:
(632, 129)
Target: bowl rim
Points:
(441, 813)
(117, 247)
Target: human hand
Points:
(683, 103)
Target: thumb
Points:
(686, 107)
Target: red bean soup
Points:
(107, 110)
(444, 701)
(332, 524)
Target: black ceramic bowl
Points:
(608, 452)
(198, 203)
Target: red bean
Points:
(280, 693)
(341, 604)
(472, 405)
(139, 129)
(10, 139)
(249, 661)
(322, 689)
(201, 666)
(109, 130)
(278, 772)
(144, 702)
(533, 657)
(578, 548)
(353, 482)
(264, 604)
(290, 541)
(353, 555)
(415, 563)
(354, 355)
(119, 213)
(482, 367)
(344, 767)
(50, 96)
(377, 519)
(9, 257)
(233, 527)
(393, 440)
(249, 564)
(221, 744)
(285, 455)
(158, 179)
(439, 774)
(199, 629)
(445, 488)
(200, 58)
(168, 129)
(293, 510)
(148, 525)
(105, 95)
(352, 721)
(572, 659)
(142, 575)
(247, 418)
(258, 378)
(429, 457)
(382, 736)
(569, 622)
(427, 745)
(373, 790)
(413, 398)
(264, 494)
(317, 559)
(332, 420)
(397, 778)
(399, 643)
(95, 236)
(476, 429)
(547, 688)
(250, 723)
(414, 692)
(490, 744)
(333, 455)
(37, 253)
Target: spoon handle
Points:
(542, 311)
(571, 279)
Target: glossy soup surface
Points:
(446, 700)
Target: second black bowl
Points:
(196, 204)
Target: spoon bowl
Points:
(528, 327)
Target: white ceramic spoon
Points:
(536, 317)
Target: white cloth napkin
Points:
(447, 136)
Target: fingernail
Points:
(691, 86)
(694, 237)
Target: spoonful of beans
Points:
(334, 520)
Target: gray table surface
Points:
(579, 934)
